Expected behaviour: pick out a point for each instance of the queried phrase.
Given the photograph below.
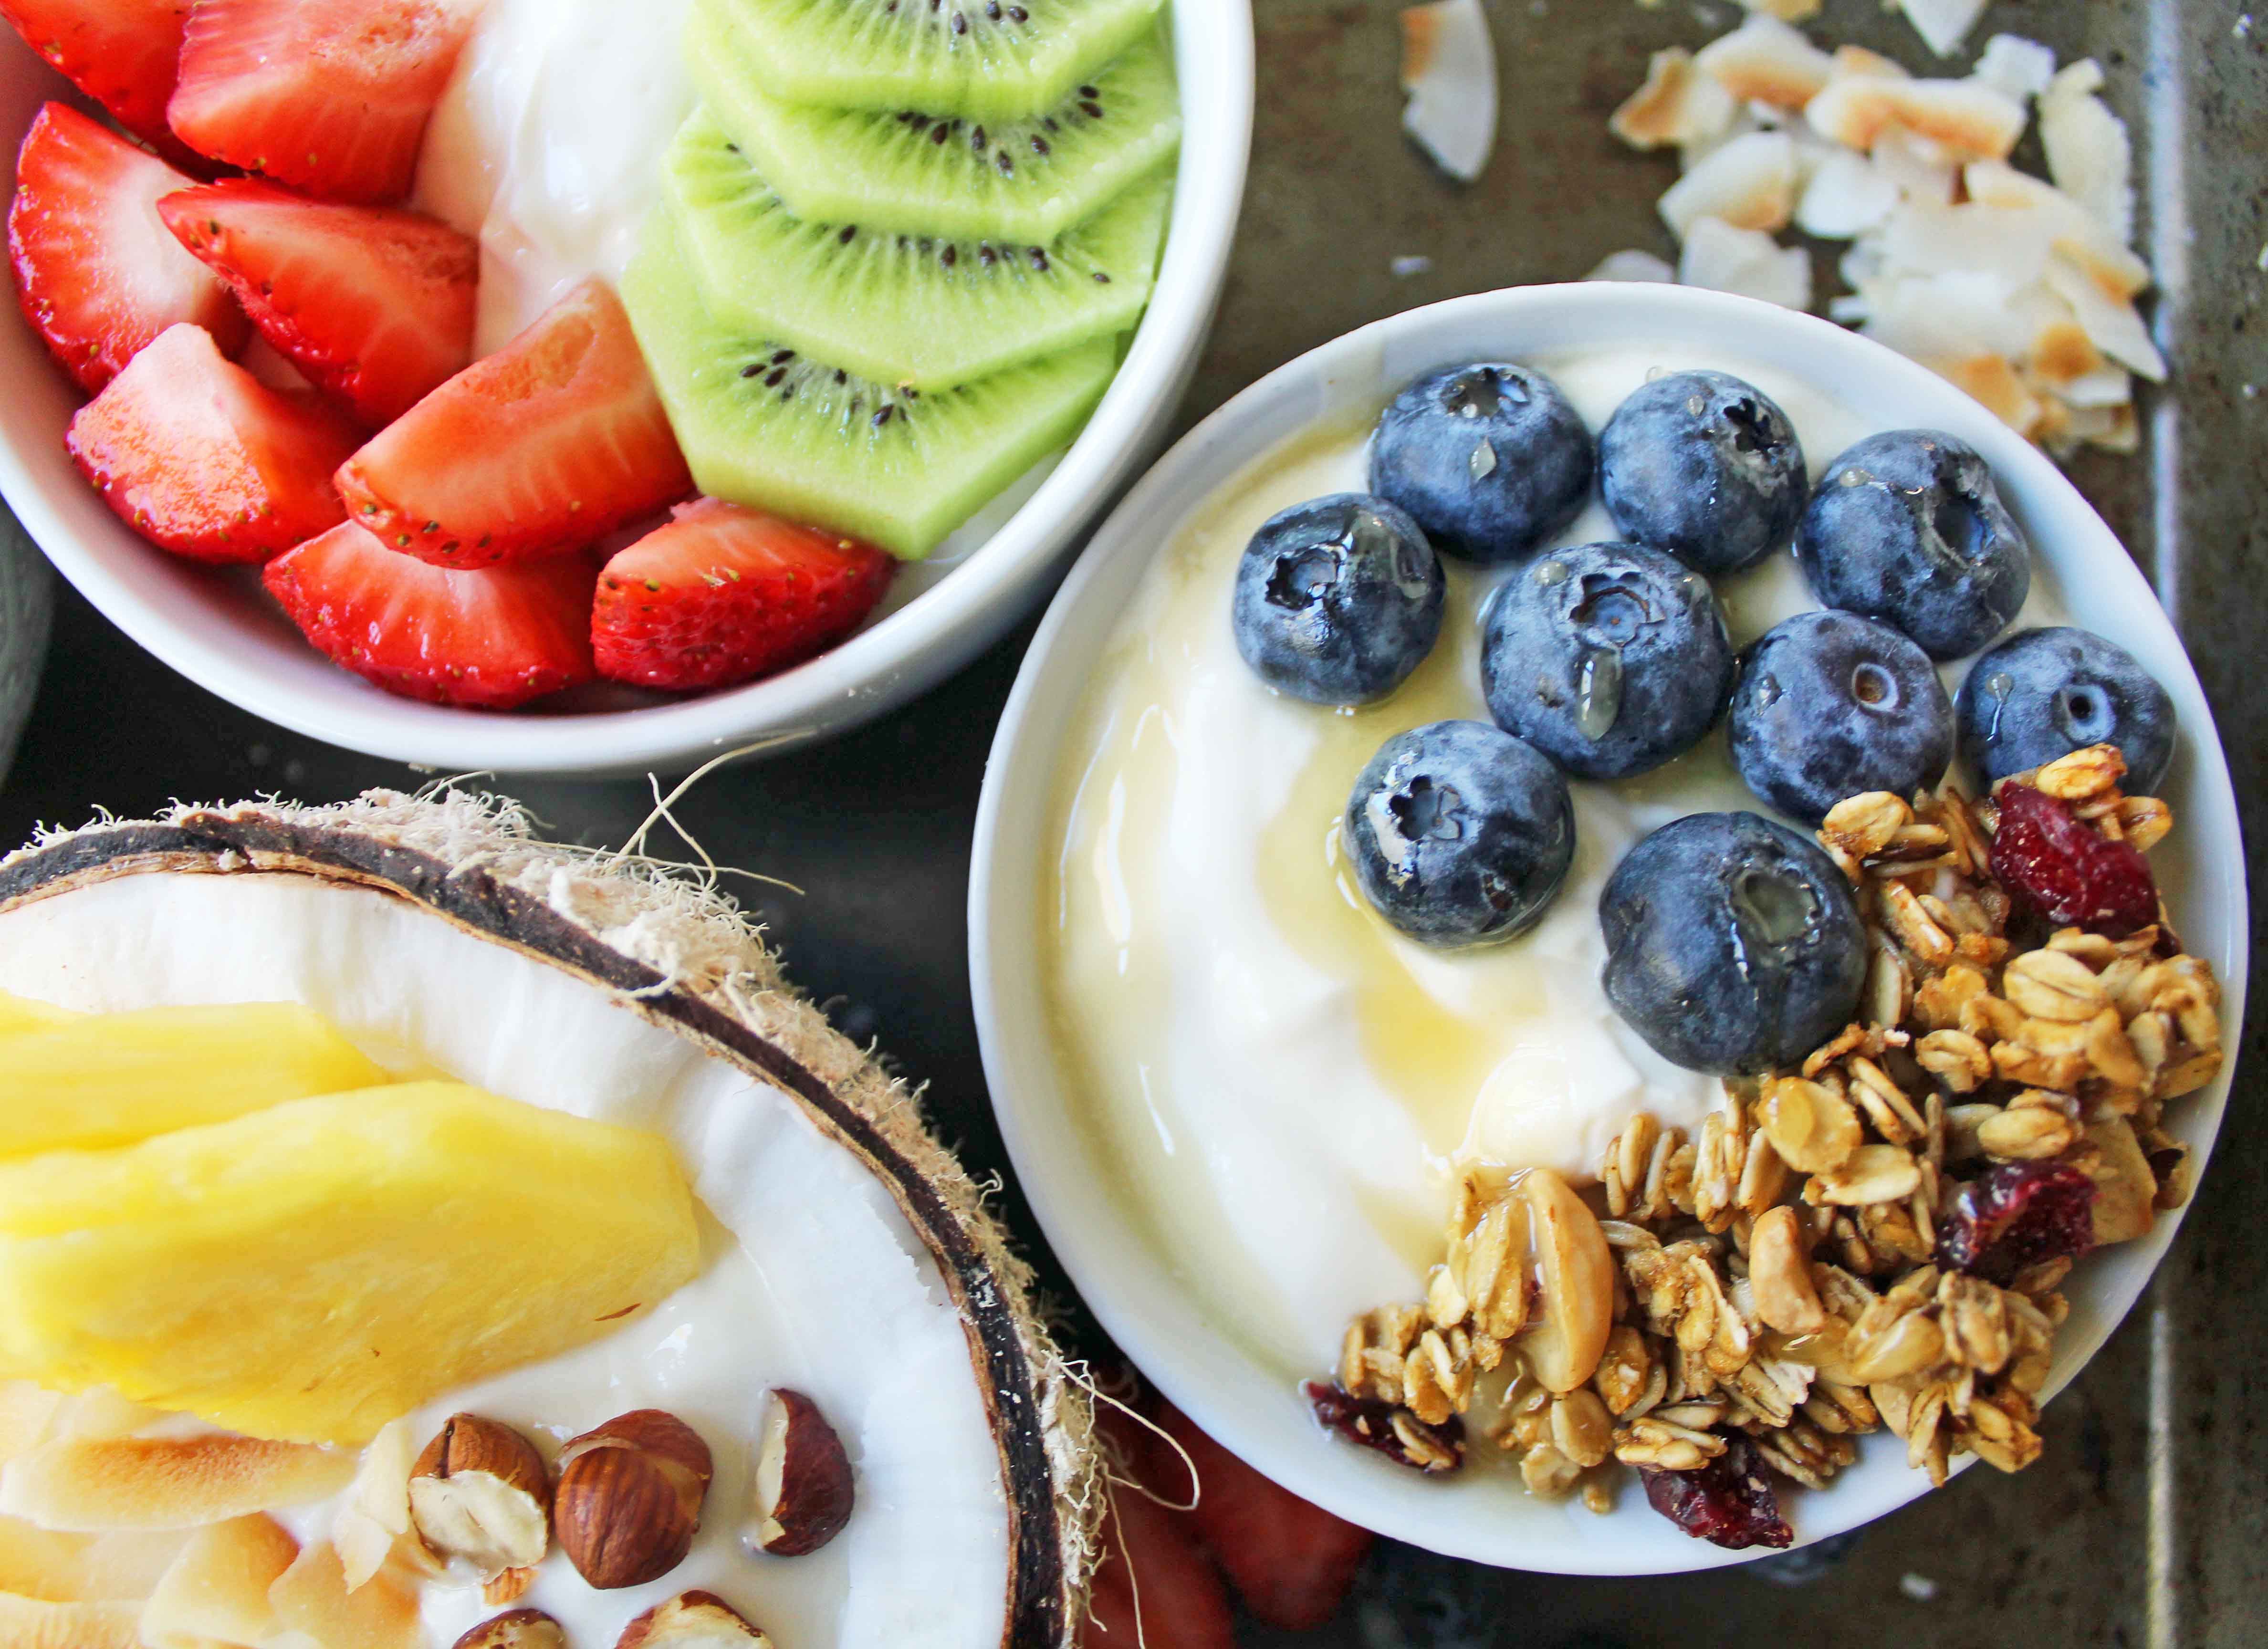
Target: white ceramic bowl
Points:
(1127, 1281)
(221, 631)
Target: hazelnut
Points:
(803, 1491)
(630, 1497)
(521, 1629)
(479, 1491)
(691, 1620)
(508, 1588)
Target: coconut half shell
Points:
(676, 956)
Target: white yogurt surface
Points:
(547, 145)
(1286, 1086)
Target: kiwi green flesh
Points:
(903, 309)
(763, 425)
(916, 173)
(992, 60)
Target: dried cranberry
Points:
(2015, 1215)
(2062, 873)
(1729, 1502)
(1370, 1422)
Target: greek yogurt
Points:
(1286, 1087)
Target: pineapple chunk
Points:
(316, 1270)
(113, 1079)
(18, 1014)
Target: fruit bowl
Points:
(221, 631)
(1221, 1366)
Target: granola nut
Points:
(1872, 1174)
(2144, 821)
(2050, 984)
(1906, 1346)
(1813, 1129)
(1576, 1283)
(2126, 1189)
(1581, 1429)
(1779, 1269)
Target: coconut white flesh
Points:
(1942, 24)
(2110, 321)
(1678, 103)
(1746, 261)
(1848, 195)
(2021, 68)
(2089, 154)
(1766, 61)
(1748, 183)
(1448, 68)
(813, 1275)
(1630, 264)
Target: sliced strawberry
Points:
(1292, 1562)
(374, 304)
(97, 272)
(123, 54)
(546, 445)
(329, 96)
(1180, 1603)
(724, 593)
(493, 638)
(202, 459)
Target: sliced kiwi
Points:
(920, 174)
(989, 60)
(903, 309)
(764, 425)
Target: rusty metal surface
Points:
(2143, 1524)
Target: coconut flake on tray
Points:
(1448, 68)
(2018, 288)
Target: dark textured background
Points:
(2132, 1530)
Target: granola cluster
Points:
(1874, 1239)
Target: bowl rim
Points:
(905, 653)
(1196, 1366)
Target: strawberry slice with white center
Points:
(97, 272)
(328, 96)
(725, 594)
(203, 460)
(545, 446)
(491, 639)
(374, 304)
(123, 54)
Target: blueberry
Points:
(1706, 466)
(1733, 945)
(1908, 527)
(1830, 706)
(1337, 599)
(1490, 459)
(1459, 833)
(2044, 693)
(1611, 659)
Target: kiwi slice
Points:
(988, 60)
(900, 308)
(920, 174)
(763, 425)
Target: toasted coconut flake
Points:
(1785, 11)
(2021, 68)
(2111, 321)
(1749, 183)
(1848, 195)
(1857, 63)
(1942, 24)
(1448, 68)
(1630, 264)
(27, 1416)
(1949, 316)
(1994, 382)
(216, 1591)
(2062, 353)
(2114, 428)
(1970, 119)
(100, 1483)
(1746, 261)
(1678, 103)
(2010, 244)
(32, 1624)
(1766, 61)
(2108, 386)
(2089, 154)
(313, 1607)
(61, 1568)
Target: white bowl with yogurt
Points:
(547, 143)
(1233, 1096)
